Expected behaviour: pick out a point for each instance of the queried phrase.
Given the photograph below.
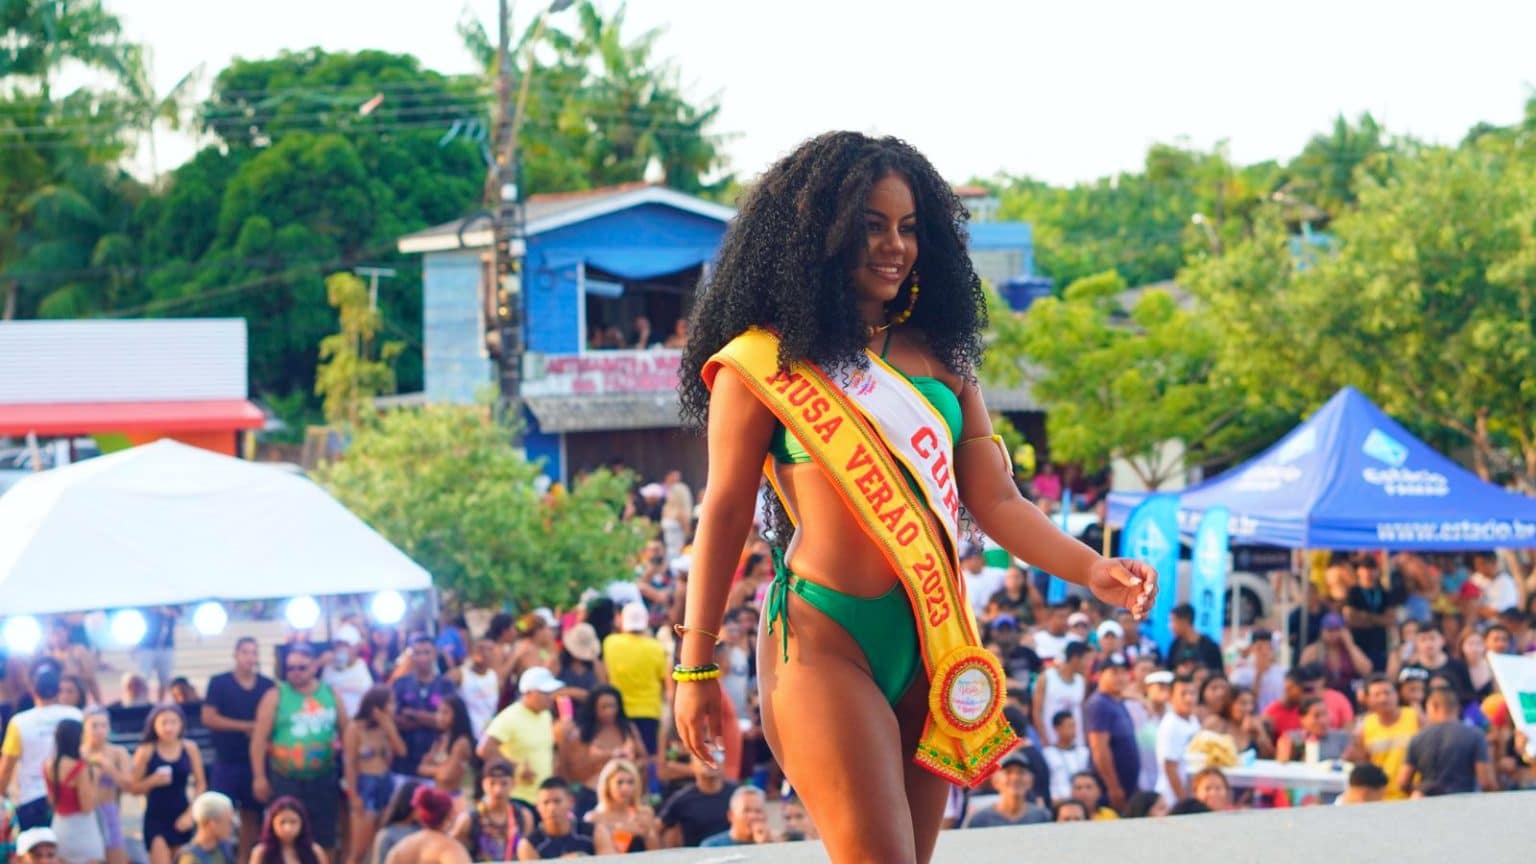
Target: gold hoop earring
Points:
(911, 302)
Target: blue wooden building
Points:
(596, 265)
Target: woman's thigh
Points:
(926, 792)
(836, 739)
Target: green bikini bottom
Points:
(882, 626)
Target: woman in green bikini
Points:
(835, 349)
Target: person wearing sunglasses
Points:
(294, 745)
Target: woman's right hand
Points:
(698, 711)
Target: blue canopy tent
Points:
(1351, 477)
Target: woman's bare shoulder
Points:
(930, 366)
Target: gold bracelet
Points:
(680, 629)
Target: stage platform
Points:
(1484, 828)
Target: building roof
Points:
(141, 360)
(999, 235)
(166, 375)
(655, 410)
(549, 212)
(83, 418)
(659, 409)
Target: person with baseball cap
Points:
(37, 846)
(1013, 782)
(1111, 639)
(28, 743)
(638, 667)
(1338, 655)
(1112, 736)
(348, 673)
(524, 734)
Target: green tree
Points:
(301, 184)
(1428, 306)
(349, 375)
(64, 207)
(1122, 375)
(603, 108)
(1142, 225)
(1327, 171)
(445, 485)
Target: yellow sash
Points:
(966, 735)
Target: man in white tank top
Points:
(347, 674)
(1061, 687)
(479, 686)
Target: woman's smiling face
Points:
(890, 247)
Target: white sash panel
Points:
(889, 402)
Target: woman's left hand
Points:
(184, 822)
(1124, 582)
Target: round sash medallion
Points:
(967, 690)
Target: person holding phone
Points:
(164, 762)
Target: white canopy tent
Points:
(166, 523)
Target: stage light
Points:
(22, 634)
(302, 613)
(128, 627)
(209, 618)
(387, 607)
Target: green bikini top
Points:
(785, 448)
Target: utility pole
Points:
(503, 198)
(505, 338)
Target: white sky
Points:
(1067, 90)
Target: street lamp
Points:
(1210, 233)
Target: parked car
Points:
(20, 461)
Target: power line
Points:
(267, 280)
(541, 83)
(670, 131)
(314, 121)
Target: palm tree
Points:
(151, 110)
(53, 229)
(603, 110)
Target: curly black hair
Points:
(788, 258)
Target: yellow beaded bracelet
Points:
(695, 673)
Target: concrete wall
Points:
(455, 361)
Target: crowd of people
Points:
(1391, 679)
(639, 336)
(547, 734)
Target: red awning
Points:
(84, 418)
